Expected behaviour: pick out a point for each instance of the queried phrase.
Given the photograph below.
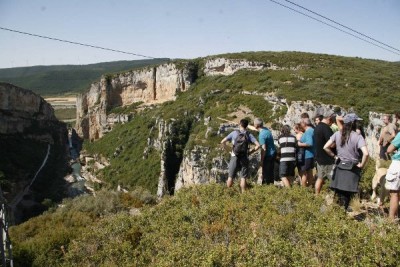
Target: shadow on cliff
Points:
(179, 135)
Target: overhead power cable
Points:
(337, 28)
(76, 43)
(344, 26)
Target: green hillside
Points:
(55, 80)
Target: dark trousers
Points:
(382, 152)
(343, 197)
(267, 166)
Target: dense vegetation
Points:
(125, 147)
(56, 80)
(205, 226)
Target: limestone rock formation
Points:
(223, 66)
(21, 109)
(149, 85)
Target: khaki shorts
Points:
(324, 171)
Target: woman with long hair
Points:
(347, 174)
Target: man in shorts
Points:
(322, 133)
(240, 162)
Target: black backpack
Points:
(241, 146)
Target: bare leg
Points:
(310, 178)
(318, 185)
(286, 181)
(242, 184)
(394, 204)
(303, 178)
(229, 182)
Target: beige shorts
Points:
(324, 171)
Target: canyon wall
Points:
(28, 130)
(148, 85)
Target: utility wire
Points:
(76, 43)
(344, 26)
(332, 26)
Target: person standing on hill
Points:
(299, 131)
(241, 140)
(287, 155)
(322, 133)
(388, 133)
(307, 142)
(393, 175)
(268, 151)
(347, 174)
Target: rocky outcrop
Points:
(21, 109)
(149, 85)
(198, 168)
(33, 154)
(223, 66)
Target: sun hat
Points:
(351, 117)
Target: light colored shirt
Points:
(387, 132)
(350, 150)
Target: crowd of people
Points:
(334, 145)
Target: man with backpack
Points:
(241, 140)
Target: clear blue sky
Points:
(188, 29)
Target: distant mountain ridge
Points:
(45, 80)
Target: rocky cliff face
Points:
(22, 109)
(27, 128)
(149, 85)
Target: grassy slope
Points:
(55, 80)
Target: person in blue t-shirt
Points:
(268, 151)
(307, 141)
(240, 161)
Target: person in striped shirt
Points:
(287, 154)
